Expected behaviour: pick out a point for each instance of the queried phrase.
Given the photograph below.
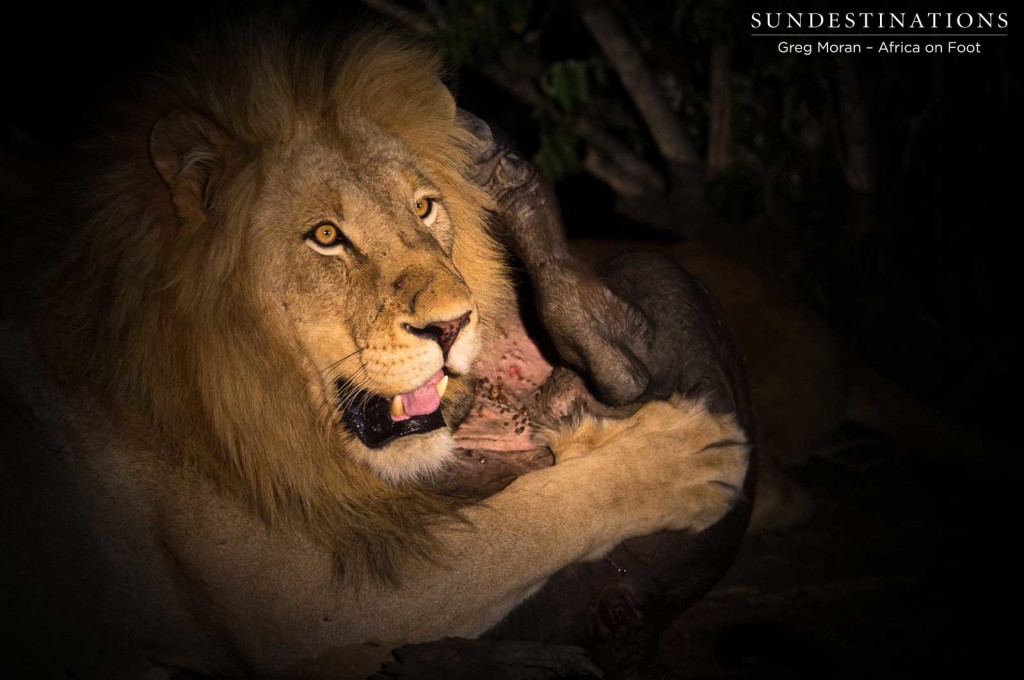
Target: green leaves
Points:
(476, 31)
(571, 82)
(559, 152)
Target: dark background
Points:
(929, 294)
(910, 573)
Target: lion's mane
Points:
(161, 322)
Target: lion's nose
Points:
(442, 332)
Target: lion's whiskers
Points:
(335, 365)
(352, 386)
(379, 377)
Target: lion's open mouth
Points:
(510, 372)
(377, 420)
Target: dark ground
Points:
(903, 572)
(908, 569)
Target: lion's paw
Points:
(671, 465)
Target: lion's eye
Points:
(425, 208)
(326, 238)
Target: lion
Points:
(260, 325)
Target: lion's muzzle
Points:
(443, 332)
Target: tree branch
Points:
(620, 167)
(401, 15)
(854, 119)
(662, 122)
(720, 105)
(858, 150)
(720, 110)
(631, 169)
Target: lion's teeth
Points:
(397, 407)
(442, 385)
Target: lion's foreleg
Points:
(672, 465)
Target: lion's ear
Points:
(190, 152)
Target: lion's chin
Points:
(390, 450)
(410, 458)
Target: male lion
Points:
(247, 359)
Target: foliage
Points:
(571, 82)
(478, 31)
(559, 153)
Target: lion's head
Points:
(279, 268)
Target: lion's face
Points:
(281, 265)
(353, 245)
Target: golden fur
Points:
(157, 307)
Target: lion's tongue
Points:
(421, 401)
